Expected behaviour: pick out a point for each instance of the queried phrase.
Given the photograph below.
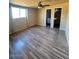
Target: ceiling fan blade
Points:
(46, 5)
(39, 3)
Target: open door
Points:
(57, 17)
(48, 17)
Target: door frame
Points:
(61, 16)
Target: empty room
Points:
(38, 29)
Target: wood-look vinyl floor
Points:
(38, 43)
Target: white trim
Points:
(61, 16)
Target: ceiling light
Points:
(39, 7)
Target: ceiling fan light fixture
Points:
(39, 7)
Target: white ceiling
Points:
(34, 3)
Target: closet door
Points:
(48, 17)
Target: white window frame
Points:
(23, 16)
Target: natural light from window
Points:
(15, 12)
(22, 13)
(18, 12)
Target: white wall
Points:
(42, 17)
(67, 29)
(32, 16)
(19, 24)
(22, 23)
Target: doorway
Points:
(48, 17)
(57, 17)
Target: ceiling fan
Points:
(40, 5)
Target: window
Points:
(22, 13)
(18, 12)
(15, 12)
